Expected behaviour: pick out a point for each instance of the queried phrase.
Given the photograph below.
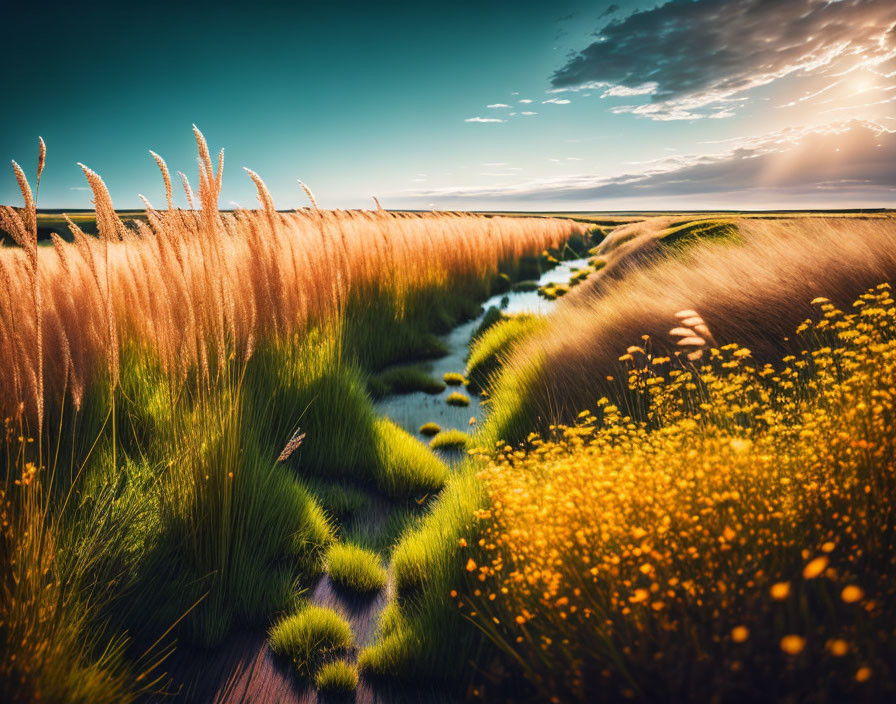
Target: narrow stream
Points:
(412, 410)
(245, 669)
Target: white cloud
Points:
(690, 55)
(498, 105)
(525, 100)
(528, 112)
(625, 91)
(852, 161)
(484, 119)
(556, 101)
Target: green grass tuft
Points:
(681, 235)
(340, 500)
(429, 429)
(338, 676)
(454, 379)
(450, 440)
(310, 635)
(407, 467)
(404, 380)
(488, 352)
(356, 569)
(422, 635)
(491, 316)
(456, 398)
(525, 286)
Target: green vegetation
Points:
(340, 500)
(406, 466)
(182, 463)
(553, 291)
(429, 429)
(456, 398)
(425, 567)
(403, 380)
(450, 440)
(337, 676)
(525, 286)
(488, 351)
(309, 636)
(355, 569)
(683, 234)
(454, 379)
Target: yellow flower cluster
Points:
(706, 538)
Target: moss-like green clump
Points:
(683, 234)
(338, 676)
(340, 500)
(355, 569)
(427, 636)
(404, 380)
(553, 291)
(456, 398)
(406, 467)
(525, 286)
(450, 440)
(454, 379)
(429, 429)
(308, 636)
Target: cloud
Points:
(498, 105)
(612, 9)
(851, 161)
(696, 53)
(556, 101)
(528, 112)
(525, 100)
(484, 119)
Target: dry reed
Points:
(755, 293)
(196, 286)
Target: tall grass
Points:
(150, 378)
(196, 286)
(754, 292)
(757, 291)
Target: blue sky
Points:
(685, 104)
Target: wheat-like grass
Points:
(756, 292)
(195, 286)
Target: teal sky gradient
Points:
(355, 99)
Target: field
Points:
(257, 455)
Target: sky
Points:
(486, 105)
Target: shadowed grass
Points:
(339, 499)
(488, 351)
(404, 380)
(424, 565)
